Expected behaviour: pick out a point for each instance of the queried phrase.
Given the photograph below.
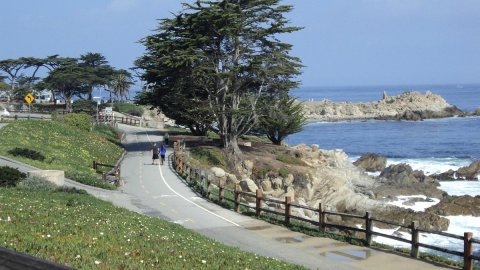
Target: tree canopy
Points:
(226, 54)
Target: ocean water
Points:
(433, 146)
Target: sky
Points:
(343, 43)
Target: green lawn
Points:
(65, 148)
(87, 233)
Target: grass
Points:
(209, 156)
(129, 108)
(86, 233)
(289, 159)
(65, 148)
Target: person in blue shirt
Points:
(163, 152)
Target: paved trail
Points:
(157, 191)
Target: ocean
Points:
(433, 146)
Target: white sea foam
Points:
(432, 165)
(427, 165)
(417, 206)
(459, 188)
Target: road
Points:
(156, 190)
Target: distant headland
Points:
(411, 105)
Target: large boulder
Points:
(426, 220)
(457, 206)
(248, 185)
(470, 172)
(403, 174)
(371, 162)
(218, 172)
(445, 176)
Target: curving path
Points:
(157, 191)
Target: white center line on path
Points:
(189, 201)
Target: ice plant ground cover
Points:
(64, 147)
(86, 233)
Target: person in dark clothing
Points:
(155, 152)
(163, 152)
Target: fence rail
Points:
(114, 170)
(184, 168)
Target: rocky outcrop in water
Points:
(371, 162)
(470, 172)
(407, 106)
(457, 206)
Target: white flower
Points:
(9, 219)
(180, 256)
(204, 262)
(48, 236)
(97, 262)
(78, 256)
(101, 233)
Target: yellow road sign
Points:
(29, 98)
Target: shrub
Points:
(259, 172)
(128, 108)
(209, 156)
(289, 159)
(36, 183)
(9, 177)
(84, 105)
(71, 190)
(27, 153)
(283, 172)
(78, 120)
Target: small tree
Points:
(280, 117)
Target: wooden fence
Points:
(101, 119)
(207, 181)
(114, 170)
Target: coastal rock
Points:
(266, 185)
(445, 176)
(409, 106)
(426, 220)
(457, 206)
(232, 178)
(218, 172)
(371, 162)
(403, 174)
(470, 172)
(248, 185)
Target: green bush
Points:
(78, 120)
(27, 153)
(129, 108)
(9, 177)
(283, 172)
(210, 156)
(259, 172)
(84, 105)
(36, 183)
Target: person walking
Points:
(155, 152)
(166, 138)
(163, 152)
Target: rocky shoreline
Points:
(411, 105)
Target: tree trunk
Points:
(233, 152)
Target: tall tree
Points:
(68, 81)
(280, 117)
(231, 50)
(12, 68)
(121, 82)
(98, 65)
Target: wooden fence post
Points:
(288, 212)
(368, 229)
(236, 207)
(209, 187)
(16, 117)
(467, 251)
(321, 218)
(415, 250)
(221, 190)
(258, 202)
(95, 165)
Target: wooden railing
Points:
(114, 170)
(24, 117)
(206, 180)
(128, 120)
